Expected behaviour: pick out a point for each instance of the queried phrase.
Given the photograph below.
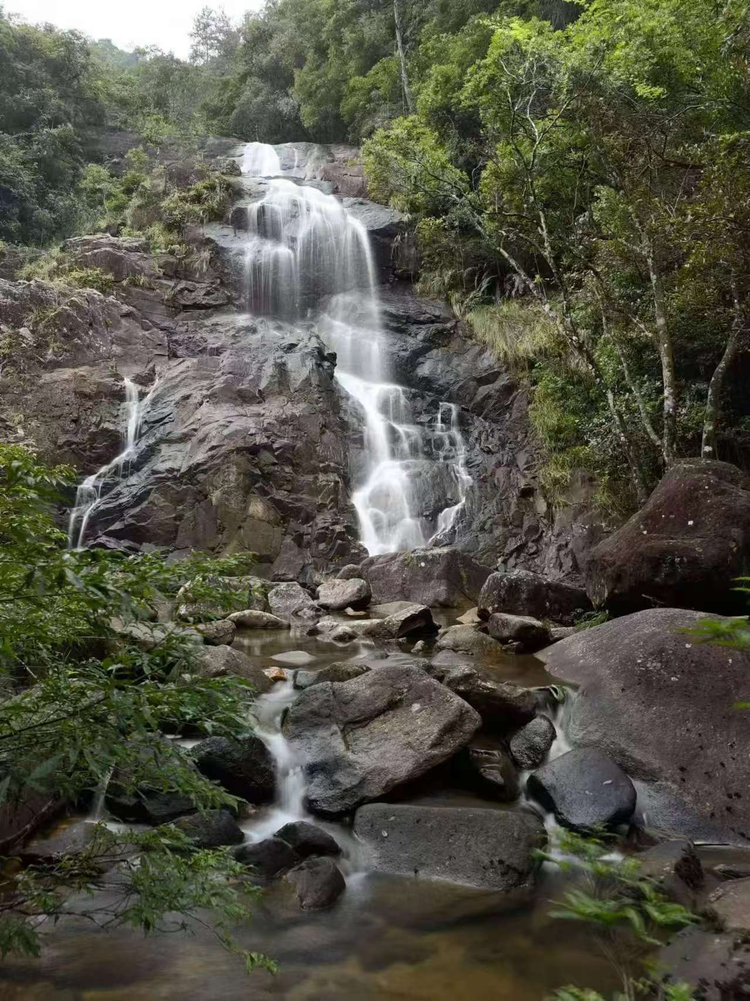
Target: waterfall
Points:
(89, 493)
(306, 256)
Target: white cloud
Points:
(128, 22)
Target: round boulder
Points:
(244, 767)
(267, 858)
(336, 595)
(585, 789)
(529, 745)
(307, 839)
(317, 882)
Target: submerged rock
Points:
(359, 740)
(676, 868)
(521, 592)
(436, 577)
(212, 829)
(76, 839)
(718, 965)
(307, 839)
(336, 595)
(530, 745)
(487, 848)
(317, 882)
(243, 766)
(661, 704)
(585, 789)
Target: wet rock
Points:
(218, 633)
(716, 966)
(216, 661)
(147, 807)
(251, 618)
(501, 704)
(307, 839)
(685, 548)
(521, 592)
(408, 621)
(729, 906)
(317, 882)
(359, 740)
(526, 633)
(336, 595)
(676, 868)
(212, 829)
(73, 840)
(436, 577)
(244, 767)
(585, 789)
(529, 745)
(493, 773)
(662, 705)
(267, 858)
(336, 673)
(469, 640)
(275, 674)
(486, 848)
(291, 602)
(725, 861)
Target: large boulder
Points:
(217, 661)
(585, 789)
(521, 592)
(407, 621)
(253, 618)
(212, 829)
(243, 766)
(267, 858)
(471, 641)
(307, 839)
(444, 577)
(220, 632)
(482, 847)
(685, 548)
(523, 632)
(336, 595)
(501, 705)
(359, 740)
(661, 704)
(291, 602)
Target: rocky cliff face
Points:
(247, 442)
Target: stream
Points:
(386, 937)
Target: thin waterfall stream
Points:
(307, 256)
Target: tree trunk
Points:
(666, 356)
(709, 443)
(402, 57)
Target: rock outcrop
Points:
(520, 592)
(437, 577)
(661, 704)
(357, 741)
(684, 549)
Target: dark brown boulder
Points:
(661, 704)
(521, 592)
(684, 549)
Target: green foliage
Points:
(89, 684)
(627, 912)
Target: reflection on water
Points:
(387, 937)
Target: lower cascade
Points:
(308, 257)
(89, 492)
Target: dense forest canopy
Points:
(576, 172)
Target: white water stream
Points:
(89, 493)
(307, 256)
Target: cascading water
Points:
(305, 250)
(89, 493)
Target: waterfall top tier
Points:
(306, 256)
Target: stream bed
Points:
(386, 937)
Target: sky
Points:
(128, 23)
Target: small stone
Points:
(275, 674)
